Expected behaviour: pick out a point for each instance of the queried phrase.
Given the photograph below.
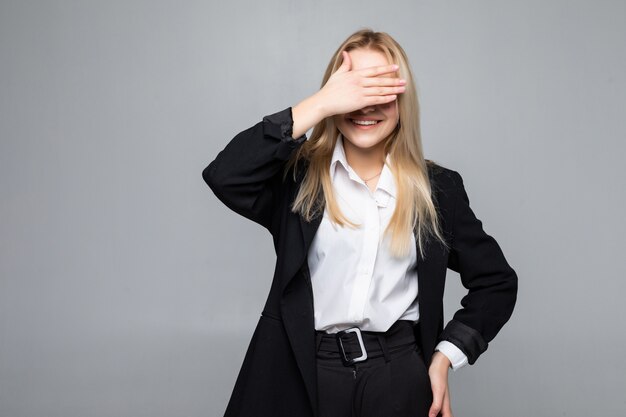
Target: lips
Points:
(368, 122)
(367, 126)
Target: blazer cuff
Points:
(465, 338)
(457, 358)
(279, 125)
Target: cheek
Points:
(340, 121)
(390, 110)
(342, 125)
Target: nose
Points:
(368, 109)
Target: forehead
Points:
(364, 58)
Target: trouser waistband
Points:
(402, 332)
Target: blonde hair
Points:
(415, 211)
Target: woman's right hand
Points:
(348, 90)
(345, 91)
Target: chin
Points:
(364, 143)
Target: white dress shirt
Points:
(356, 281)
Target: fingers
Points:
(378, 70)
(383, 91)
(437, 404)
(447, 409)
(382, 82)
(441, 401)
(373, 100)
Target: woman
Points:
(364, 229)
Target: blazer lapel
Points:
(298, 313)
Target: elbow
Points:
(209, 176)
(511, 290)
(514, 285)
(512, 282)
(218, 182)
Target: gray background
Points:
(123, 291)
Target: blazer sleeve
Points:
(246, 174)
(484, 271)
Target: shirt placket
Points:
(365, 266)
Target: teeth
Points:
(364, 122)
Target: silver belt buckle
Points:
(349, 361)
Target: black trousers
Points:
(392, 382)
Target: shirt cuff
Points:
(458, 359)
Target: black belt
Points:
(356, 345)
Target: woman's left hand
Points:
(438, 373)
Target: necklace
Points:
(369, 179)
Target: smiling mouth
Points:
(365, 122)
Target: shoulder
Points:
(441, 177)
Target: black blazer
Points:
(278, 374)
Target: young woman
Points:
(364, 229)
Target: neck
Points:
(365, 162)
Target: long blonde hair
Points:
(415, 211)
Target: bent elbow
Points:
(209, 176)
(510, 294)
(512, 282)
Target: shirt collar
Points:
(385, 182)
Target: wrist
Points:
(306, 115)
(441, 360)
(317, 106)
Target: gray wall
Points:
(122, 292)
